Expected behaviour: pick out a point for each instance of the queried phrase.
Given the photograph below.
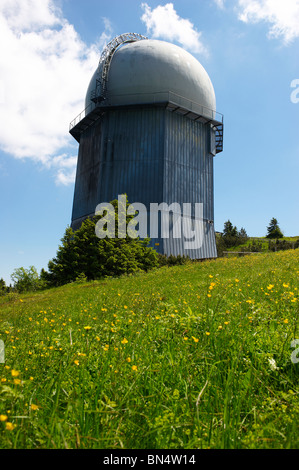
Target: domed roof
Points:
(141, 70)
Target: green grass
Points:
(194, 356)
(264, 243)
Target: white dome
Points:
(139, 70)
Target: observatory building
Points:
(149, 130)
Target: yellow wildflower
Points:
(9, 426)
(124, 341)
(15, 373)
(3, 417)
(134, 368)
(34, 407)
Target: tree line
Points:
(82, 256)
(232, 237)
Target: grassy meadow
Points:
(189, 357)
(263, 243)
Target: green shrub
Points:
(230, 237)
(253, 247)
(172, 260)
(279, 245)
(83, 255)
(26, 280)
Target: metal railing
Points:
(82, 115)
(151, 98)
(105, 60)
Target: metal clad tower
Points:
(150, 130)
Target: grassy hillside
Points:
(262, 244)
(194, 356)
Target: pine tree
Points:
(273, 230)
(229, 229)
(230, 234)
(83, 255)
(3, 287)
(243, 237)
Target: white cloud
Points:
(31, 14)
(45, 69)
(65, 167)
(220, 3)
(66, 177)
(164, 22)
(283, 16)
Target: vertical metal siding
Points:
(188, 177)
(153, 155)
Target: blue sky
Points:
(48, 52)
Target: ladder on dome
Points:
(99, 94)
(218, 137)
